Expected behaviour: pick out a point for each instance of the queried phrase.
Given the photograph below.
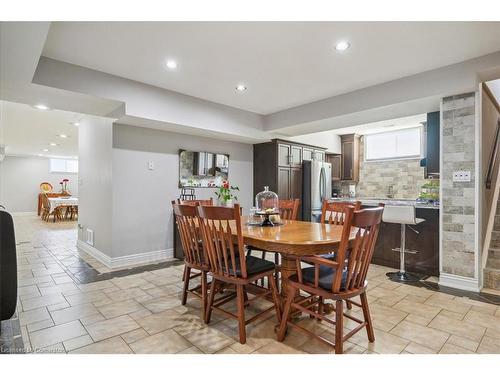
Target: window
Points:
(399, 144)
(63, 166)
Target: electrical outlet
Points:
(90, 237)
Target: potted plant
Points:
(225, 194)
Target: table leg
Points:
(288, 268)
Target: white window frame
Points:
(66, 166)
(395, 158)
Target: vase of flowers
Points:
(226, 195)
(64, 186)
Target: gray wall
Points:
(95, 178)
(142, 213)
(20, 179)
(458, 199)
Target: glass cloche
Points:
(267, 204)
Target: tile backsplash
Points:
(405, 176)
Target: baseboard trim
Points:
(459, 282)
(126, 260)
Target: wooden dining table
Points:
(293, 238)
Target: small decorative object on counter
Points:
(267, 204)
(430, 192)
(187, 194)
(225, 194)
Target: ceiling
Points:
(28, 131)
(283, 64)
(383, 126)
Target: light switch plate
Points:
(151, 165)
(461, 176)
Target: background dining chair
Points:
(46, 212)
(223, 244)
(339, 279)
(186, 217)
(333, 212)
(194, 202)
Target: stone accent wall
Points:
(406, 177)
(458, 198)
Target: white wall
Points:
(142, 213)
(95, 178)
(20, 179)
(327, 139)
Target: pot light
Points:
(45, 150)
(52, 144)
(342, 45)
(75, 123)
(42, 107)
(241, 87)
(171, 64)
(62, 136)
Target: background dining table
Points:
(62, 201)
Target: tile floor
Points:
(141, 313)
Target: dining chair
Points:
(339, 280)
(223, 244)
(186, 217)
(193, 202)
(333, 212)
(289, 209)
(45, 214)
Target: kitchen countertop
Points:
(388, 201)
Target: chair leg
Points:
(204, 292)
(211, 296)
(368, 319)
(321, 305)
(286, 313)
(276, 299)
(348, 304)
(241, 313)
(187, 274)
(339, 327)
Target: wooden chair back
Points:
(199, 202)
(354, 256)
(186, 217)
(219, 226)
(289, 208)
(333, 212)
(359, 253)
(45, 202)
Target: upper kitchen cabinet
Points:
(278, 164)
(336, 161)
(432, 145)
(349, 170)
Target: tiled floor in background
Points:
(141, 312)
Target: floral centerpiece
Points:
(225, 194)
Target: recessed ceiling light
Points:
(171, 64)
(43, 107)
(45, 150)
(62, 136)
(342, 45)
(75, 123)
(52, 144)
(241, 87)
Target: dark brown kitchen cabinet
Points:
(432, 145)
(349, 170)
(278, 164)
(336, 161)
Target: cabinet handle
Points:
(350, 172)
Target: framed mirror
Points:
(202, 169)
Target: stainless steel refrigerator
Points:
(316, 187)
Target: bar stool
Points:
(404, 215)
